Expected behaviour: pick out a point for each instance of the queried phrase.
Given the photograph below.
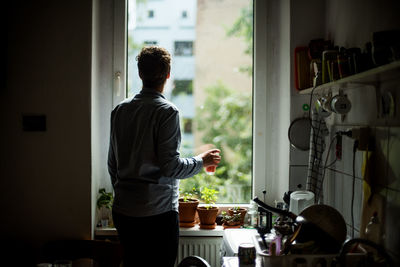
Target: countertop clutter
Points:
(315, 237)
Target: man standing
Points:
(145, 166)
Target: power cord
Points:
(326, 159)
(355, 146)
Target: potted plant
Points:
(208, 212)
(104, 206)
(238, 210)
(231, 221)
(187, 208)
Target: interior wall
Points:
(350, 24)
(46, 175)
(302, 31)
(102, 70)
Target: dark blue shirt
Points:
(144, 160)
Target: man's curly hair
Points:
(154, 64)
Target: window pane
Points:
(210, 83)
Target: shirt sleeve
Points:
(169, 138)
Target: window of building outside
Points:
(211, 82)
(183, 48)
(150, 14)
(150, 42)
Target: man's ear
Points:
(168, 75)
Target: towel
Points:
(315, 172)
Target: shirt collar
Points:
(150, 91)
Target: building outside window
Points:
(210, 83)
(183, 48)
(150, 42)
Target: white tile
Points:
(347, 157)
(338, 194)
(298, 175)
(381, 155)
(393, 169)
(358, 198)
(392, 230)
(298, 157)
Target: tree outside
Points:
(225, 121)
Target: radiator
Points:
(209, 248)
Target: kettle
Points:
(299, 200)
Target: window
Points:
(150, 14)
(150, 42)
(211, 84)
(182, 87)
(183, 48)
(184, 14)
(187, 125)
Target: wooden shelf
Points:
(372, 76)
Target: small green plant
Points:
(236, 209)
(105, 199)
(230, 219)
(209, 196)
(188, 195)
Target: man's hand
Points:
(211, 157)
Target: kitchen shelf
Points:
(372, 76)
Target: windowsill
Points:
(103, 232)
(193, 231)
(196, 231)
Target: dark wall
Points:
(46, 175)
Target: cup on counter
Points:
(247, 255)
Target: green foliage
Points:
(243, 28)
(225, 121)
(183, 87)
(186, 195)
(105, 199)
(209, 196)
(226, 218)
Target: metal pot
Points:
(319, 223)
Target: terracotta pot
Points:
(242, 212)
(187, 210)
(231, 225)
(207, 216)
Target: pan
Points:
(319, 223)
(299, 133)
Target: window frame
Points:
(260, 121)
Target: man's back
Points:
(144, 159)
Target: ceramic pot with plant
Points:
(104, 206)
(187, 208)
(208, 213)
(238, 210)
(231, 221)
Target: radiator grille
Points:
(206, 247)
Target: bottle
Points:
(373, 229)
(253, 214)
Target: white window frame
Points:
(259, 172)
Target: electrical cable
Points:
(353, 187)
(327, 157)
